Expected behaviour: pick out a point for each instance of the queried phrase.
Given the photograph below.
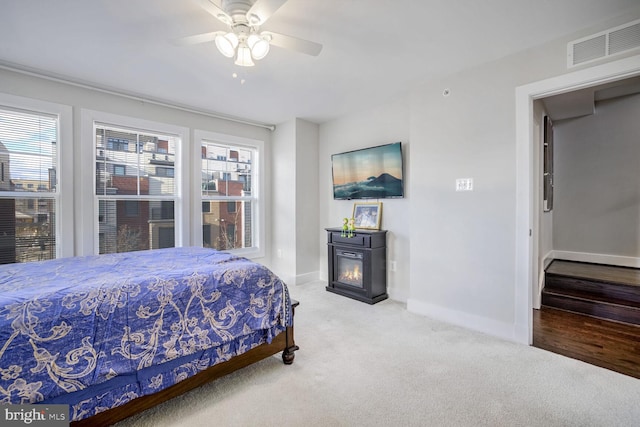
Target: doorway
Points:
(528, 201)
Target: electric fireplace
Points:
(349, 265)
(358, 265)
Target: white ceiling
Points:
(374, 50)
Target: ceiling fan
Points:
(245, 41)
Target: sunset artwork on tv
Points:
(369, 173)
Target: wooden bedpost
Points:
(288, 354)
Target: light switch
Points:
(464, 184)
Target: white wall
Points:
(78, 97)
(283, 196)
(294, 216)
(466, 273)
(385, 124)
(307, 216)
(462, 245)
(597, 184)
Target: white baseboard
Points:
(523, 334)
(622, 261)
(307, 277)
(548, 259)
(470, 321)
(396, 295)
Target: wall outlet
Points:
(279, 253)
(392, 266)
(464, 184)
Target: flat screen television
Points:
(368, 173)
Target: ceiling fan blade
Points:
(215, 11)
(199, 38)
(294, 43)
(262, 10)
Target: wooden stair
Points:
(601, 291)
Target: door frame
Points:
(528, 203)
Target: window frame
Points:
(258, 209)
(88, 228)
(63, 196)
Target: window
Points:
(117, 144)
(231, 214)
(136, 203)
(162, 171)
(132, 208)
(166, 237)
(231, 235)
(28, 154)
(206, 235)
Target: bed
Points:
(111, 335)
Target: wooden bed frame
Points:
(283, 342)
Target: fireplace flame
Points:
(353, 275)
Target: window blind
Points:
(28, 185)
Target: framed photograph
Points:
(367, 215)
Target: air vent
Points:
(624, 39)
(605, 44)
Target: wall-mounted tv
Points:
(368, 173)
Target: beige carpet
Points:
(379, 365)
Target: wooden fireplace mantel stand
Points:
(371, 247)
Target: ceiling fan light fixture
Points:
(227, 44)
(254, 19)
(259, 46)
(224, 18)
(243, 40)
(243, 57)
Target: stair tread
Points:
(597, 299)
(629, 287)
(602, 310)
(599, 291)
(627, 276)
(591, 287)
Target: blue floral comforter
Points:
(98, 331)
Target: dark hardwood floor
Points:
(608, 344)
(591, 312)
